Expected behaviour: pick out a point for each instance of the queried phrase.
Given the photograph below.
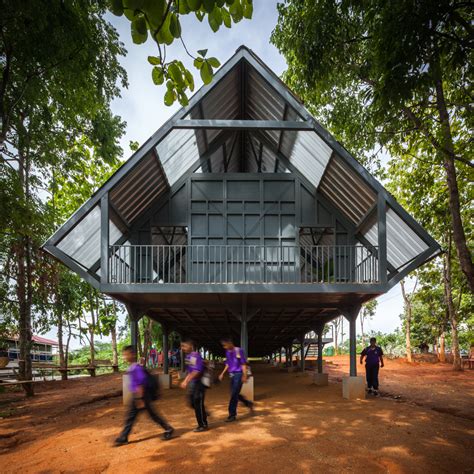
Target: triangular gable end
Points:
(243, 89)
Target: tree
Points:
(59, 72)
(159, 20)
(407, 298)
(368, 312)
(392, 75)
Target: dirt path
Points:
(69, 427)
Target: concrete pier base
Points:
(126, 394)
(164, 381)
(181, 375)
(248, 389)
(321, 380)
(353, 388)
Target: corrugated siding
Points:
(139, 188)
(82, 243)
(308, 153)
(347, 190)
(403, 244)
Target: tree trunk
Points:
(459, 236)
(450, 307)
(61, 347)
(407, 301)
(442, 347)
(113, 334)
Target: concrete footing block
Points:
(353, 388)
(248, 389)
(126, 394)
(321, 380)
(164, 381)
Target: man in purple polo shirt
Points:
(236, 365)
(373, 360)
(141, 399)
(196, 389)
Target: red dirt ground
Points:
(69, 426)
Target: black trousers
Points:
(372, 375)
(132, 416)
(196, 395)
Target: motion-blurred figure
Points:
(236, 365)
(194, 384)
(144, 389)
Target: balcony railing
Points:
(249, 264)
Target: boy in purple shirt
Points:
(373, 360)
(196, 389)
(141, 399)
(236, 365)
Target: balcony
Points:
(243, 264)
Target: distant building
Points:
(42, 350)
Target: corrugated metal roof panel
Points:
(347, 190)
(403, 244)
(139, 188)
(82, 243)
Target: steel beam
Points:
(243, 124)
(104, 238)
(382, 237)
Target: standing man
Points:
(373, 360)
(142, 398)
(193, 382)
(236, 365)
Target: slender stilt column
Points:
(302, 352)
(320, 350)
(165, 351)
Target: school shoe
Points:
(376, 393)
(230, 419)
(369, 391)
(250, 406)
(168, 433)
(200, 429)
(120, 441)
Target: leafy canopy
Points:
(159, 20)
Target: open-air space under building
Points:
(241, 215)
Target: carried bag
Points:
(208, 374)
(152, 385)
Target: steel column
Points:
(302, 352)
(353, 346)
(320, 350)
(279, 356)
(165, 351)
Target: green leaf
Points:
(194, 5)
(214, 62)
(154, 60)
(183, 99)
(170, 97)
(206, 73)
(236, 12)
(215, 19)
(200, 15)
(226, 18)
(189, 79)
(116, 7)
(176, 75)
(202, 52)
(248, 10)
(133, 4)
(220, 3)
(129, 14)
(208, 5)
(154, 9)
(175, 27)
(198, 62)
(139, 30)
(229, 2)
(157, 76)
(183, 7)
(164, 35)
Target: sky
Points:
(141, 104)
